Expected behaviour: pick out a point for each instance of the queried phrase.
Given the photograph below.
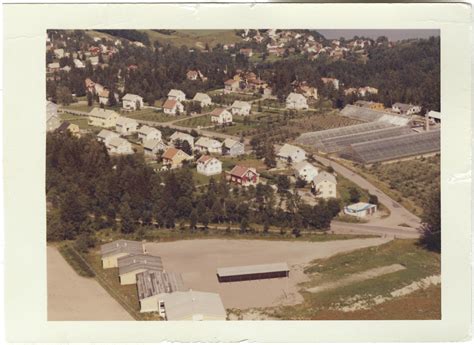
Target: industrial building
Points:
(192, 306)
(152, 284)
(129, 266)
(253, 272)
(370, 115)
(112, 251)
(360, 209)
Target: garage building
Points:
(130, 266)
(253, 272)
(114, 250)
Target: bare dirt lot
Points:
(75, 298)
(198, 261)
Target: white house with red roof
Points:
(243, 176)
(172, 107)
(221, 116)
(207, 165)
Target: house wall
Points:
(111, 261)
(130, 277)
(104, 123)
(256, 276)
(149, 304)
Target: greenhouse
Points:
(370, 115)
(387, 149)
(337, 144)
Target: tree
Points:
(354, 195)
(244, 224)
(333, 206)
(112, 101)
(373, 199)
(193, 218)
(283, 183)
(90, 99)
(270, 156)
(431, 222)
(64, 95)
(300, 183)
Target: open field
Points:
(195, 122)
(71, 297)
(194, 38)
(81, 121)
(198, 261)
(319, 121)
(361, 296)
(152, 115)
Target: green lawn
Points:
(419, 263)
(153, 115)
(195, 122)
(80, 107)
(194, 38)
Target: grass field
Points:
(318, 121)
(153, 115)
(75, 260)
(195, 122)
(418, 264)
(408, 182)
(81, 121)
(194, 38)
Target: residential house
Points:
(367, 90)
(69, 127)
(126, 126)
(177, 95)
(231, 85)
(305, 171)
(291, 153)
(406, 109)
(129, 266)
(435, 116)
(112, 251)
(58, 53)
(296, 101)
(307, 91)
(243, 176)
(324, 185)
(132, 102)
(248, 52)
(105, 135)
(172, 107)
(54, 67)
(205, 144)
(173, 158)
(94, 60)
(207, 165)
(151, 147)
(370, 105)
(119, 146)
(232, 148)
(182, 137)
(52, 118)
(203, 99)
(79, 64)
(221, 116)
(192, 75)
(331, 81)
(360, 210)
(103, 118)
(66, 69)
(241, 108)
(148, 133)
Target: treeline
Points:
(88, 190)
(132, 35)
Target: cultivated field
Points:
(75, 298)
(198, 261)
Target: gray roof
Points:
(135, 262)
(253, 269)
(151, 283)
(324, 176)
(151, 144)
(370, 115)
(147, 130)
(105, 134)
(131, 97)
(122, 246)
(122, 121)
(231, 142)
(117, 142)
(102, 113)
(199, 97)
(180, 305)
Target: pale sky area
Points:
(391, 34)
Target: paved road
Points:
(398, 214)
(368, 229)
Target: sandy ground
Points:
(73, 298)
(198, 261)
(358, 277)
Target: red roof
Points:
(204, 159)
(170, 153)
(169, 104)
(217, 111)
(240, 171)
(230, 82)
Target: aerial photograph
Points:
(247, 174)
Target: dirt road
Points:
(75, 298)
(198, 261)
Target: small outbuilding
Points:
(114, 250)
(253, 272)
(130, 265)
(360, 209)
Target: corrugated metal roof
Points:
(183, 305)
(151, 283)
(135, 262)
(253, 269)
(122, 246)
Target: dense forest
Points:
(88, 190)
(407, 72)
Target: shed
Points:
(113, 250)
(192, 306)
(130, 265)
(253, 272)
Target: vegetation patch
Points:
(76, 261)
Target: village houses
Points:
(148, 133)
(119, 146)
(296, 101)
(305, 171)
(182, 137)
(331, 81)
(370, 105)
(132, 102)
(291, 153)
(231, 85)
(324, 185)
(203, 99)
(173, 107)
(205, 144)
(232, 148)
(173, 158)
(69, 127)
(177, 95)
(126, 126)
(207, 165)
(243, 176)
(405, 109)
(221, 116)
(102, 118)
(104, 97)
(151, 147)
(241, 108)
(105, 135)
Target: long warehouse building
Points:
(253, 272)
